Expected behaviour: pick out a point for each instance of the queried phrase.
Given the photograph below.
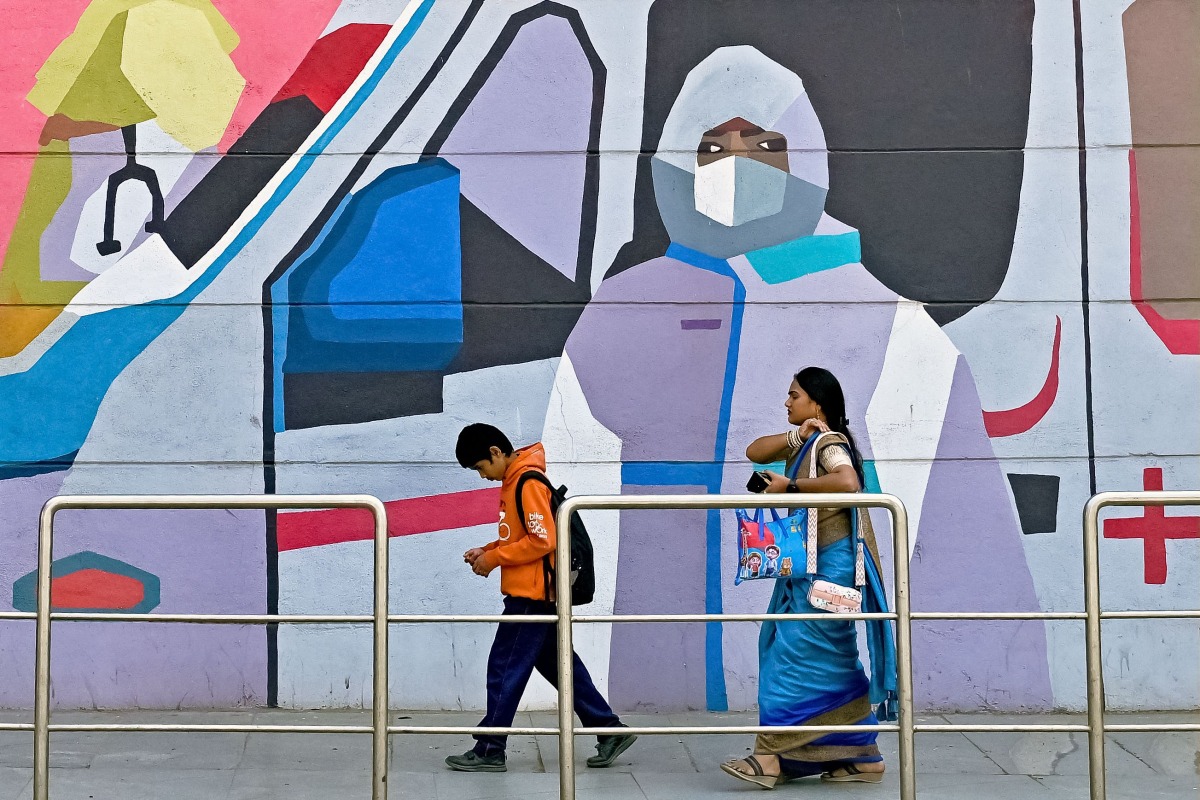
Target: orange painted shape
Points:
(21, 324)
(95, 588)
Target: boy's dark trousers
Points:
(518, 650)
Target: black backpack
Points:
(583, 565)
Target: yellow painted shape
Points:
(27, 303)
(62, 70)
(101, 92)
(176, 62)
(49, 184)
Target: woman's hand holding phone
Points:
(767, 482)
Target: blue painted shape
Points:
(47, 410)
(60, 464)
(698, 259)
(25, 587)
(383, 289)
(672, 473)
(714, 659)
(800, 257)
(280, 315)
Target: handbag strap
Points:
(810, 546)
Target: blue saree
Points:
(810, 673)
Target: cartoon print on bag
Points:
(771, 565)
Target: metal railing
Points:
(44, 616)
(903, 616)
(566, 688)
(1095, 616)
(565, 618)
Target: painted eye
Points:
(711, 147)
(773, 145)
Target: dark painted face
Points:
(739, 137)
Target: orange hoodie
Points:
(523, 543)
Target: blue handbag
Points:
(785, 546)
(775, 548)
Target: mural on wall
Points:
(757, 273)
(165, 177)
(320, 239)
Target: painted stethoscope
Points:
(132, 171)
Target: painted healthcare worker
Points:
(680, 358)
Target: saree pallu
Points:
(810, 672)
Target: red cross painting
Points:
(1154, 527)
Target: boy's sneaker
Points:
(471, 761)
(609, 747)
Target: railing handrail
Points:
(900, 551)
(1094, 616)
(44, 615)
(380, 729)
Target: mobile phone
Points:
(758, 482)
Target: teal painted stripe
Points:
(871, 477)
(800, 257)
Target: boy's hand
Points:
(472, 555)
(483, 565)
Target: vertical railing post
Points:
(1095, 659)
(904, 669)
(41, 669)
(379, 693)
(379, 618)
(566, 647)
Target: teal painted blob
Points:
(871, 476)
(800, 257)
(25, 588)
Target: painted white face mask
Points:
(736, 189)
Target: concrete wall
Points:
(347, 229)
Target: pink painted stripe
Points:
(1012, 421)
(299, 529)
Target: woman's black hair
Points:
(824, 389)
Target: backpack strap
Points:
(538, 476)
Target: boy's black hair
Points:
(475, 442)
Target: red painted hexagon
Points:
(94, 588)
(88, 581)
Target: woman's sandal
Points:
(758, 777)
(851, 774)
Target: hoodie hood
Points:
(526, 458)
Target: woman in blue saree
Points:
(809, 672)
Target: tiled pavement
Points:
(197, 766)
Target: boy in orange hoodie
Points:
(519, 648)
